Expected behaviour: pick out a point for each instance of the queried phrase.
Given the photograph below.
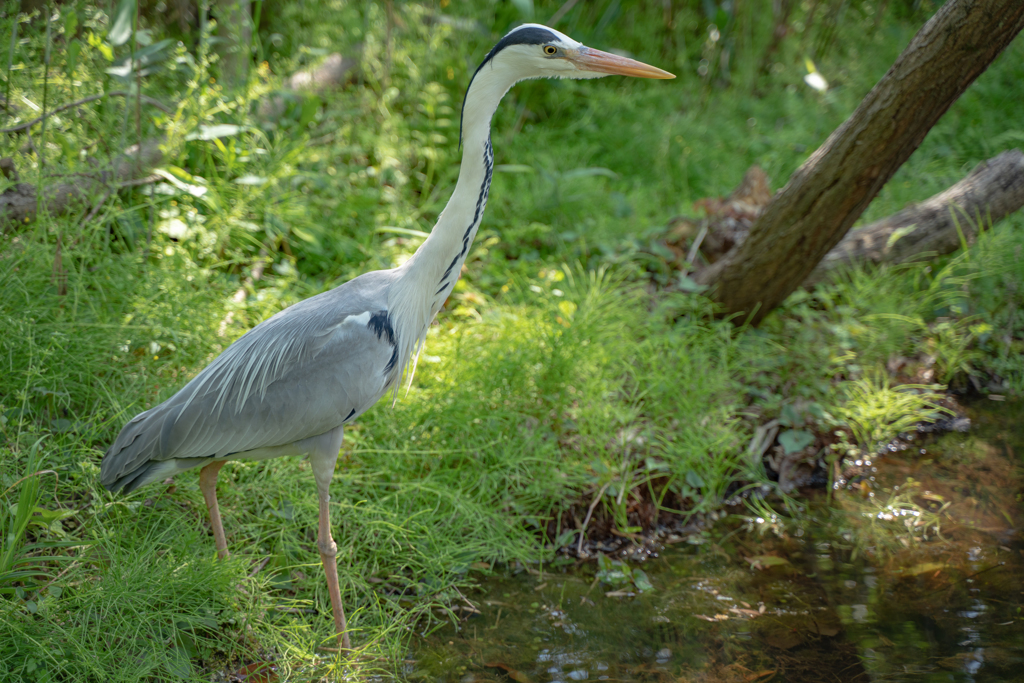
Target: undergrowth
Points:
(545, 389)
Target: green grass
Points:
(543, 383)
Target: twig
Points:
(294, 610)
(103, 200)
(31, 145)
(259, 567)
(29, 476)
(970, 576)
(695, 249)
(60, 276)
(632, 537)
(73, 174)
(562, 11)
(472, 607)
(96, 207)
(66, 570)
(586, 520)
(46, 88)
(135, 182)
(85, 100)
(10, 60)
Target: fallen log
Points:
(19, 204)
(824, 197)
(334, 71)
(992, 191)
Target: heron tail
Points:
(134, 459)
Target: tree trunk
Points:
(992, 191)
(234, 26)
(826, 195)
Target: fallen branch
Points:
(19, 203)
(85, 100)
(335, 70)
(992, 191)
(822, 200)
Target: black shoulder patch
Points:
(380, 325)
(525, 36)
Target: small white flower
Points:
(816, 81)
(175, 228)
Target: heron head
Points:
(535, 51)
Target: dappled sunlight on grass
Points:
(552, 404)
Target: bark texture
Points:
(992, 191)
(826, 195)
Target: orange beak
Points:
(588, 59)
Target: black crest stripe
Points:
(523, 36)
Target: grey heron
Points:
(290, 385)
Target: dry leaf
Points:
(514, 674)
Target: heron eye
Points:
(550, 49)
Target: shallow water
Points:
(924, 582)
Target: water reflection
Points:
(862, 594)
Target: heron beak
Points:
(588, 59)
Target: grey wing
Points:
(301, 373)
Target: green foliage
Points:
(620, 575)
(875, 411)
(19, 563)
(128, 611)
(543, 388)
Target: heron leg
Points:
(329, 557)
(323, 455)
(208, 485)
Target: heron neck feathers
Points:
(427, 278)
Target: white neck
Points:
(427, 278)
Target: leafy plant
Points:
(621, 576)
(875, 411)
(22, 562)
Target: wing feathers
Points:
(296, 375)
